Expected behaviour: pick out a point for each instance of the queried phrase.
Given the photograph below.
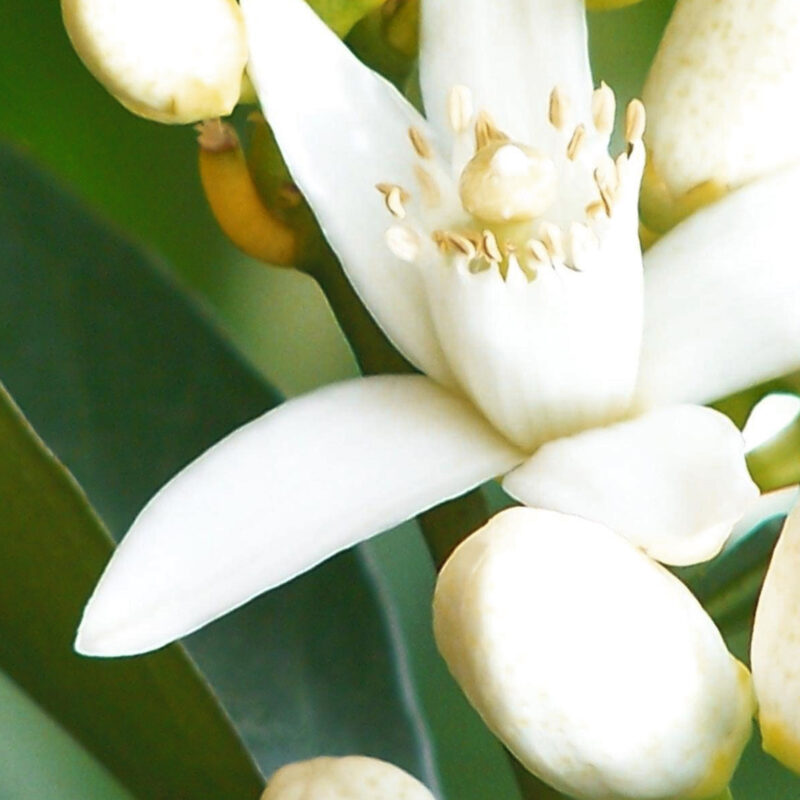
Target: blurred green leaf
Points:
(38, 754)
(341, 15)
(127, 382)
(152, 721)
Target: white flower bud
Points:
(348, 778)
(721, 94)
(594, 665)
(775, 651)
(174, 61)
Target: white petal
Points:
(673, 481)
(595, 666)
(510, 54)
(170, 60)
(777, 503)
(548, 357)
(343, 129)
(309, 479)
(775, 652)
(721, 93)
(348, 778)
(722, 293)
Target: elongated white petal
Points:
(672, 481)
(722, 293)
(348, 778)
(309, 479)
(595, 666)
(343, 129)
(721, 94)
(775, 653)
(510, 54)
(169, 60)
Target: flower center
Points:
(513, 205)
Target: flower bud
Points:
(348, 778)
(720, 98)
(174, 61)
(595, 666)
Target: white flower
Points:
(532, 350)
(345, 778)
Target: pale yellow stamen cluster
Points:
(507, 189)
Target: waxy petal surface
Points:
(722, 293)
(343, 129)
(279, 495)
(673, 481)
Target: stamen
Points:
(606, 195)
(394, 196)
(575, 143)
(459, 108)
(537, 251)
(604, 105)
(553, 240)
(431, 195)
(635, 120)
(486, 131)
(420, 143)
(404, 243)
(490, 247)
(558, 108)
(595, 209)
(448, 241)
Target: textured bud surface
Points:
(776, 649)
(348, 778)
(595, 666)
(721, 94)
(174, 61)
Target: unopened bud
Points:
(348, 778)
(595, 666)
(173, 61)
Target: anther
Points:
(553, 240)
(558, 108)
(486, 132)
(595, 209)
(449, 241)
(537, 251)
(635, 119)
(604, 105)
(395, 197)
(403, 243)
(459, 108)
(490, 247)
(420, 143)
(606, 194)
(429, 189)
(575, 143)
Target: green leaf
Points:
(341, 15)
(152, 721)
(127, 382)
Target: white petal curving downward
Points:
(594, 665)
(775, 652)
(722, 293)
(347, 778)
(343, 129)
(510, 54)
(673, 481)
(311, 478)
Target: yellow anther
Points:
(606, 192)
(490, 246)
(537, 251)
(235, 202)
(635, 119)
(508, 182)
(575, 143)
(553, 241)
(429, 189)
(604, 107)
(403, 243)
(558, 109)
(420, 143)
(595, 209)
(459, 108)
(486, 132)
(395, 198)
